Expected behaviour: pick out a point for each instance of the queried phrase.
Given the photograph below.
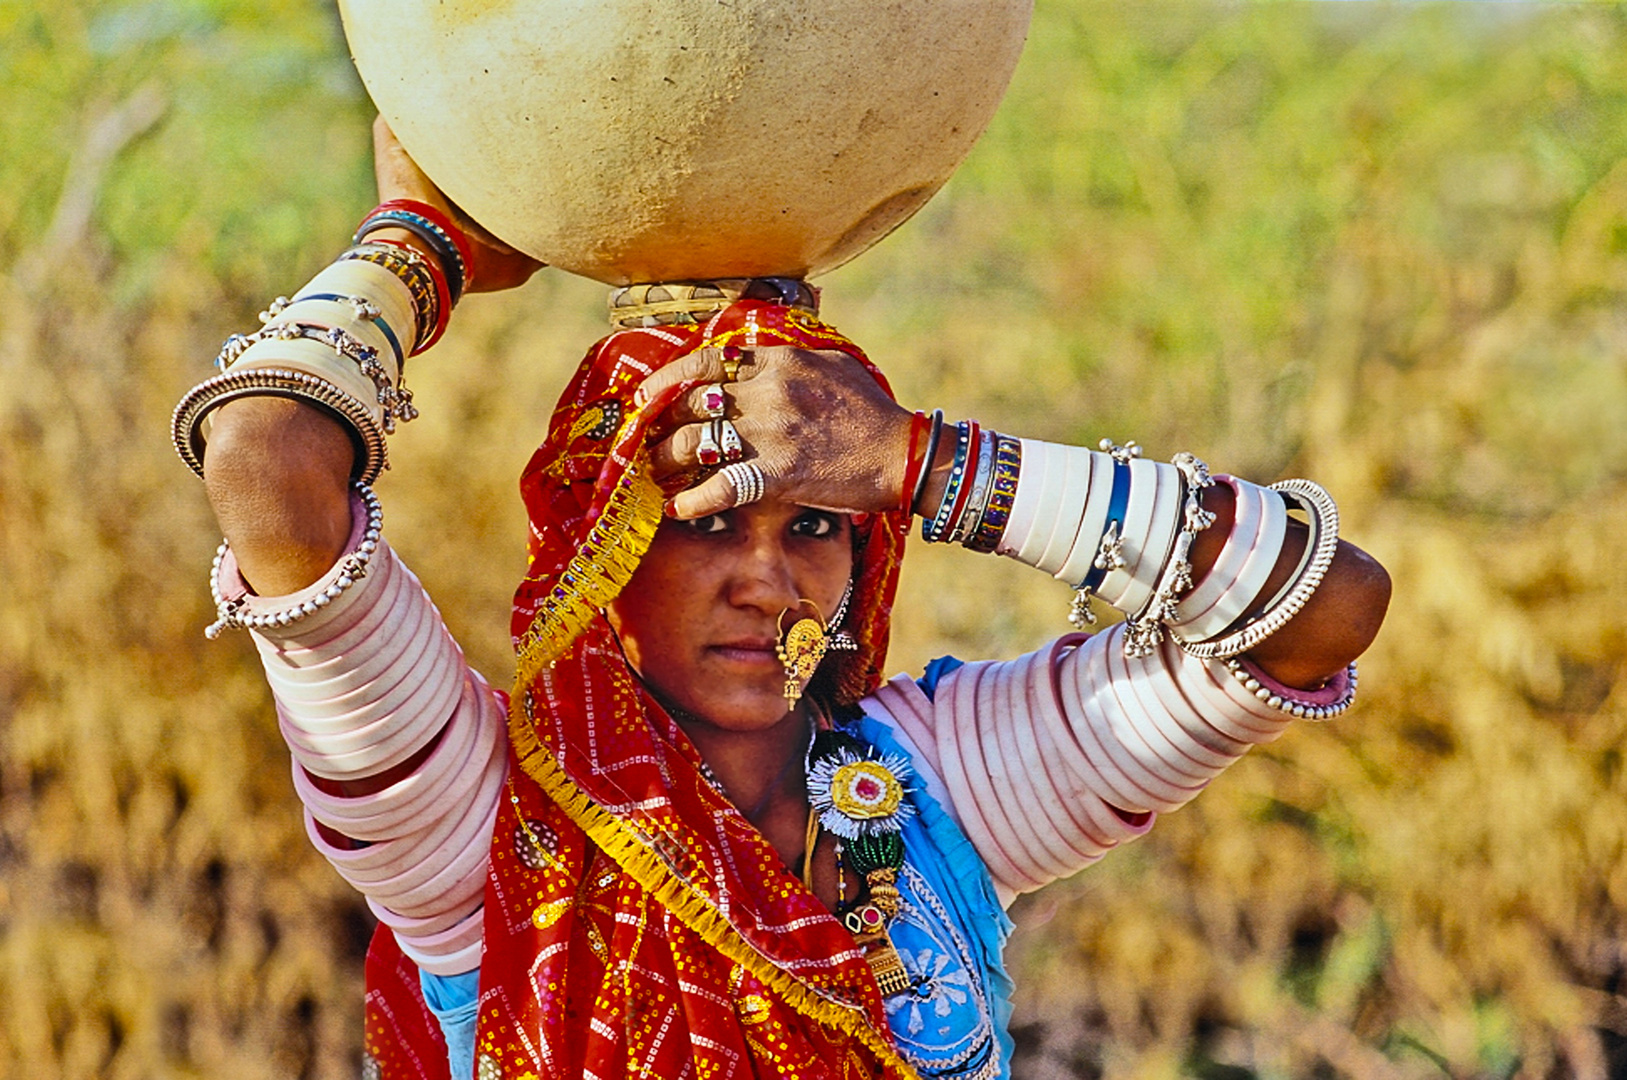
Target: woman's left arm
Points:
(824, 434)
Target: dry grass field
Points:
(1382, 246)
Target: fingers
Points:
(702, 365)
(495, 265)
(682, 451)
(713, 495)
(708, 401)
(495, 270)
(677, 453)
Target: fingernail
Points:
(672, 508)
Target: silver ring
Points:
(747, 479)
(728, 439)
(707, 451)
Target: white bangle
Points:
(1322, 544)
(1098, 505)
(1147, 540)
(1027, 503)
(1243, 590)
(241, 612)
(1070, 511)
(1249, 507)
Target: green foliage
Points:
(1384, 246)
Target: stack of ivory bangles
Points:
(362, 684)
(1090, 744)
(1119, 527)
(343, 340)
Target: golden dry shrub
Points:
(1382, 246)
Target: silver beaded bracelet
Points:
(186, 424)
(396, 400)
(233, 613)
(1323, 513)
(1297, 709)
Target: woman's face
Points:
(700, 619)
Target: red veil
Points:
(635, 923)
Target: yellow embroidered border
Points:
(692, 908)
(597, 573)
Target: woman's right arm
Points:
(398, 749)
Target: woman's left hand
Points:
(821, 430)
(496, 265)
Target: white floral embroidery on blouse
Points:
(942, 1023)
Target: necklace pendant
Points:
(886, 965)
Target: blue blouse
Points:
(949, 933)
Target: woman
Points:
(709, 840)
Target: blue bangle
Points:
(378, 321)
(1118, 502)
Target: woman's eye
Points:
(708, 525)
(814, 524)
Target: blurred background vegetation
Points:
(1383, 246)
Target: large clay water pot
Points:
(670, 140)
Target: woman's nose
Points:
(763, 577)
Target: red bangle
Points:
(919, 424)
(443, 296)
(423, 209)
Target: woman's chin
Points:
(740, 711)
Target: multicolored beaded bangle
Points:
(937, 528)
(963, 492)
(453, 230)
(1008, 462)
(443, 295)
(423, 282)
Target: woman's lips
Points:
(748, 651)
